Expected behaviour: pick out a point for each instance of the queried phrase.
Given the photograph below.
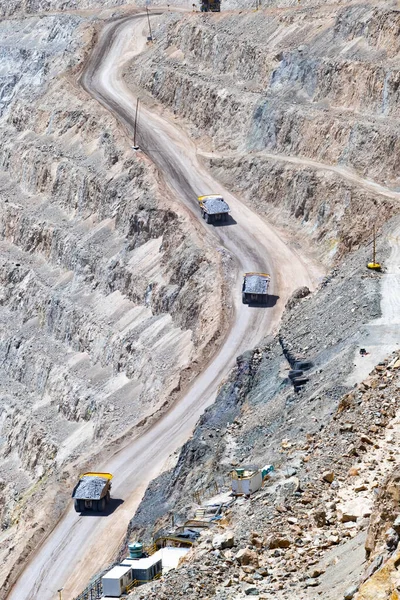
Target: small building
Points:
(144, 569)
(246, 482)
(117, 581)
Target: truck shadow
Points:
(269, 303)
(110, 508)
(230, 221)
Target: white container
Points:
(145, 569)
(116, 581)
(247, 484)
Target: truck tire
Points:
(108, 498)
(101, 504)
(77, 506)
(207, 218)
(244, 299)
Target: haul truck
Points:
(92, 492)
(255, 288)
(213, 208)
(210, 6)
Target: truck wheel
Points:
(77, 506)
(108, 498)
(101, 505)
(244, 299)
(207, 218)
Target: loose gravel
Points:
(90, 488)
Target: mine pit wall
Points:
(257, 407)
(318, 85)
(109, 292)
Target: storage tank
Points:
(135, 550)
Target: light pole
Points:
(135, 146)
(60, 593)
(150, 36)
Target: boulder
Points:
(277, 542)
(328, 476)
(354, 509)
(350, 592)
(320, 518)
(223, 540)
(245, 556)
(252, 591)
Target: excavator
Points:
(210, 6)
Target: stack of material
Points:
(256, 284)
(90, 488)
(216, 205)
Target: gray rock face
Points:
(285, 99)
(102, 298)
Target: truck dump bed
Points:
(256, 283)
(215, 205)
(91, 486)
(255, 287)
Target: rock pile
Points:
(290, 535)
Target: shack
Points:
(117, 581)
(144, 569)
(246, 482)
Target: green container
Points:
(135, 550)
(240, 473)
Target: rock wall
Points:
(105, 302)
(295, 109)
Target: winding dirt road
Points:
(79, 546)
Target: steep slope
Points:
(290, 107)
(106, 297)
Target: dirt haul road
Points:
(79, 546)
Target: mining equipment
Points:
(92, 492)
(255, 288)
(374, 266)
(210, 6)
(213, 208)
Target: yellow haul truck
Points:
(213, 208)
(92, 492)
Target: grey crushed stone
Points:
(254, 284)
(216, 206)
(90, 488)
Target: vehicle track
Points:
(79, 547)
